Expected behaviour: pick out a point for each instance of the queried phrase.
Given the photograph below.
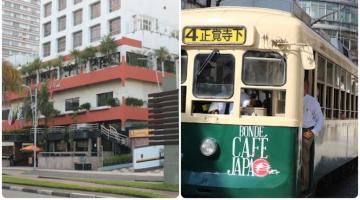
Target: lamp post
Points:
(35, 119)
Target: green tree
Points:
(11, 79)
(45, 106)
(108, 45)
(162, 55)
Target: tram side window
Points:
(336, 104)
(184, 63)
(263, 68)
(329, 92)
(214, 75)
(264, 103)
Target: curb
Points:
(50, 192)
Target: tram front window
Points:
(214, 75)
(263, 69)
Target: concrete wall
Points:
(132, 88)
(147, 157)
(171, 164)
(68, 163)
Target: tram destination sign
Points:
(214, 35)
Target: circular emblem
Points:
(261, 167)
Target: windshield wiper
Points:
(207, 61)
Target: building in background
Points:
(342, 24)
(20, 27)
(99, 100)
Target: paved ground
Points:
(152, 175)
(54, 193)
(343, 187)
(18, 194)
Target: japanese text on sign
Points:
(216, 35)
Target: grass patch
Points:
(50, 184)
(118, 159)
(135, 184)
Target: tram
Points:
(250, 63)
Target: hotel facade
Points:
(110, 86)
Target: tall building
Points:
(21, 27)
(342, 24)
(101, 99)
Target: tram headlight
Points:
(208, 147)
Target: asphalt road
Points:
(18, 194)
(342, 186)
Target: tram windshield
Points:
(263, 68)
(214, 75)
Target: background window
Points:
(62, 4)
(47, 9)
(62, 23)
(95, 10)
(114, 5)
(77, 39)
(46, 49)
(103, 99)
(61, 44)
(47, 29)
(95, 33)
(72, 104)
(77, 17)
(114, 26)
(77, 1)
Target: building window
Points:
(77, 1)
(95, 33)
(61, 44)
(47, 9)
(46, 49)
(61, 23)
(146, 24)
(114, 5)
(103, 99)
(5, 114)
(95, 10)
(62, 4)
(114, 26)
(72, 104)
(77, 39)
(47, 29)
(77, 17)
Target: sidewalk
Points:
(59, 192)
(153, 175)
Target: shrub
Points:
(131, 101)
(118, 159)
(85, 106)
(114, 102)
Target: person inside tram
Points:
(313, 121)
(254, 102)
(228, 107)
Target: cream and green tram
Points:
(242, 87)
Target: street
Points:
(342, 186)
(19, 194)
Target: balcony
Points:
(122, 112)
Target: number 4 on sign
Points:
(191, 34)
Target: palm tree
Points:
(76, 55)
(46, 107)
(58, 63)
(87, 54)
(107, 47)
(11, 79)
(162, 54)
